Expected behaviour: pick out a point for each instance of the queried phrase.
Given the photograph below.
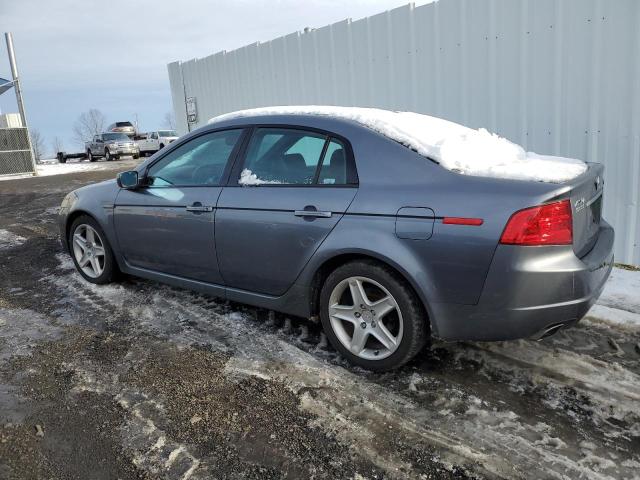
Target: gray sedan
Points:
(314, 215)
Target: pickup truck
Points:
(111, 146)
(151, 142)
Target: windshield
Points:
(115, 136)
(167, 133)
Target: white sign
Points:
(192, 110)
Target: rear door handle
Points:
(312, 213)
(198, 207)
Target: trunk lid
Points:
(586, 205)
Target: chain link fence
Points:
(15, 151)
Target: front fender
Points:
(95, 200)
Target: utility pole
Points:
(136, 122)
(18, 90)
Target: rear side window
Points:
(283, 156)
(287, 156)
(334, 166)
(198, 162)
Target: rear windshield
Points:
(124, 124)
(167, 133)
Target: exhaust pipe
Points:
(548, 331)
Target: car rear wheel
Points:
(371, 316)
(91, 252)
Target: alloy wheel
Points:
(88, 250)
(366, 318)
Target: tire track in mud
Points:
(463, 423)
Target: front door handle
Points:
(312, 213)
(198, 207)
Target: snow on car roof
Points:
(454, 146)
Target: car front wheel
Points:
(371, 316)
(91, 252)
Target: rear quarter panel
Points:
(455, 260)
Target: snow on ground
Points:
(52, 167)
(455, 147)
(620, 300)
(9, 239)
(44, 170)
(496, 435)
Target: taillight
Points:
(549, 224)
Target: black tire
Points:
(107, 155)
(136, 157)
(415, 322)
(90, 156)
(110, 272)
(62, 160)
(161, 146)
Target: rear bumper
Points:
(528, 290)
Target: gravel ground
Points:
(141, 380)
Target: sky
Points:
(74, 55)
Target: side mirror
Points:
(128, 180)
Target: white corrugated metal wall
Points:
(560, 77)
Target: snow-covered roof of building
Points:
(455, 147)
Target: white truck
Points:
(151, 142)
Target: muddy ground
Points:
(141, 380)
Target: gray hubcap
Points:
(88, 250)
(366, 318)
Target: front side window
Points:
(282, 156)
(199, 162)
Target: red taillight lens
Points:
(549, 224)
(462, 221)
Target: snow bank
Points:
(620, 299)
(455, 147)
(49, 168)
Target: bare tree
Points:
(88, 124)
(57, 144)
(37, 143)
(169, 121)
